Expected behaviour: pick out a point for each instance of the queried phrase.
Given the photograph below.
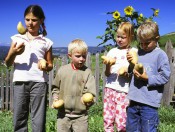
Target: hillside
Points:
(3, 51)
(167, 37)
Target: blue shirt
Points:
(156, 65)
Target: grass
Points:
(166, 115)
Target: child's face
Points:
(148, 45)
(122, 40)
(32, 23)
(78, 59)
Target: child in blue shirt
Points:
(146, 89)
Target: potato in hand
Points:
(134, 57)
(122, 71)
(57, 104)
(139, 67)
(108, 60)
(42, 63)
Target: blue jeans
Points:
(141, 118)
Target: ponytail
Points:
(44, 32)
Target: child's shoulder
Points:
(18, 36)
(47, 40)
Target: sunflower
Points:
(129, 10)
(141, 15)
(156, 12)
(140, 18)
(116, 15)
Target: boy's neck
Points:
(73, 67)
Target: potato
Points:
(134, 55)
(122, 70)
(58, 103)
(108, 60)
(21, 29)
(43, 63)
(139, 67)
(87, 98)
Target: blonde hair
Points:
(128, 29)
(148, 31)
(77, 45)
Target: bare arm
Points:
(13, 52)
(108, 70)
(48, 57)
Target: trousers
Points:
(29, 97)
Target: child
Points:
(71, 82)
(30, 75)
(116, 87)
(146, 89)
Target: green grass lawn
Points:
(166, 114)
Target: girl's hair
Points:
(128, 29)
(148, 31)
(77, 45)
(37, 11)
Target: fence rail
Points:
(6, 84)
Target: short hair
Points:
(77, 45)
(128, 29)
(148, 31)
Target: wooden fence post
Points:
(11, 90)
(169, 87)
(2, 90)
(97, 73)
(88, 60)
(51, 77)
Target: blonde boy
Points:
(71, 82)
(146, 89)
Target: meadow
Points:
(166, 114)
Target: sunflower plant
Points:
(130, 15)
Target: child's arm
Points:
(158, 77)
(163, 75)
(13, 52)
(108, 70)
(56, 86)
(48, 66)
(142, 76)
(90, 87)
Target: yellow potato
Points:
(108, 60)
(135, 56)
(87, 98)
(58, 103)
(139, 67)
(21, 29)
(122, 70)
(43, 63)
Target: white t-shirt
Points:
(26, 64)
(115, 81)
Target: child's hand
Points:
(108, 60)
(132, 57)
(129, 57)
(57, 104)
(17, 49)
(123, 71)
(87, 99)
(143, 76)
(42, 64)
(88, 104)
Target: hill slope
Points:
(167, 37)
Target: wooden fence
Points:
(6, 85)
